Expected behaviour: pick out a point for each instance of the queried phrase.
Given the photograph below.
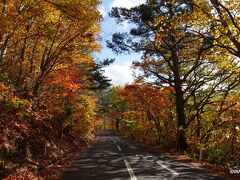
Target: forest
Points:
(54, 95)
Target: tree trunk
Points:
(36, 88)
(234, 135)
(21, 74)
(181, 139)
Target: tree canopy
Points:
(191, 47)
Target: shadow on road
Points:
(104, 160)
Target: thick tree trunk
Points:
(181, 139)
(182, 142)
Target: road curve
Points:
(113, 158)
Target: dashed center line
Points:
(130, 171)
(119, 148)
(167, 168)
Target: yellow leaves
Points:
(53, 17)
(4, 25)
(159, 20)
(47, 42)
(80, 9)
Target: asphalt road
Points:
(113, 158)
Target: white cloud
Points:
(102, 11)
(126, 3)
(120, 74)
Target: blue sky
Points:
(119, 71)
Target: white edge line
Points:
(119, 148)
(167, 168)
(130, 171)
(113, 140)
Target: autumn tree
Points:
(173, 54)
(159, 36)
(112, 107)
(48, 77)
(220, 20)
(44, 36)
(150, 114)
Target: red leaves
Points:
(146, 95)
(64, 81)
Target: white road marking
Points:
(143, 156)
(167, 168)
(113, 140)
(119, 148)
(130, 171)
